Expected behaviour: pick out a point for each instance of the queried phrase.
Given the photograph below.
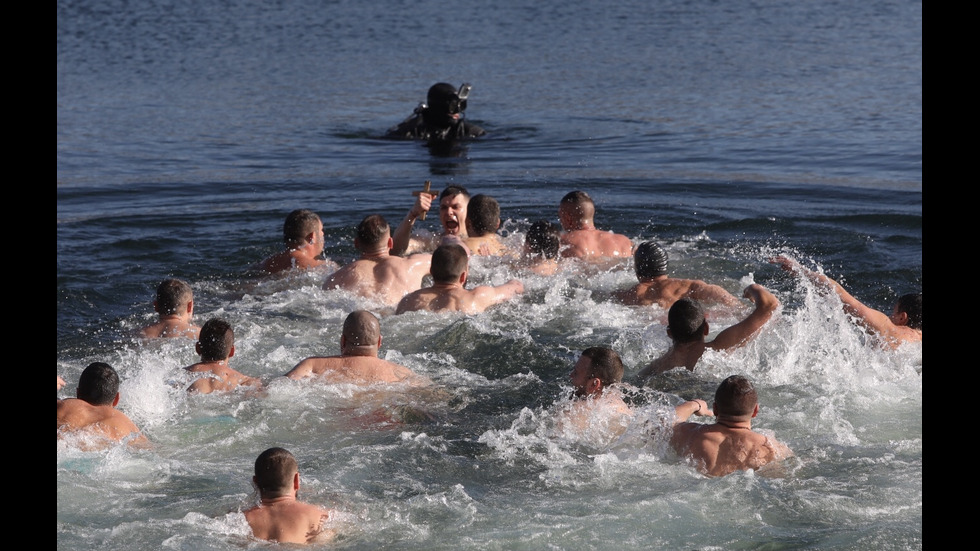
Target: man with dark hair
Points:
(687, 328)
(377, 274)
(302, 233)
(541, 248)
(581, 239)
(280, 516)
(596, 396)
(174, 304)
(891, 331)
(656, 287)
(440, 119)
(729, 444)
(358, 361)
(93, 411)
(449, 271)
(453, 203)
(482, 223)
(215, 346)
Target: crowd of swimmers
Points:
(393, 267)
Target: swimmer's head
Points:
(650, 260)
(444, 104)
(685, 321)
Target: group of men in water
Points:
(391, 270)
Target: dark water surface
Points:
(727, 131)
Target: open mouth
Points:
(452, 226)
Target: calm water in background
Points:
(725, 130)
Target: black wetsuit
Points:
(416, 128)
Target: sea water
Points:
(727, 132)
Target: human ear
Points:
(115, 401)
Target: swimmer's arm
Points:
(403, 234)
(302, 370)
(692, 407)
(743, 331)
(709, 292)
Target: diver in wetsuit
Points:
(440, 119)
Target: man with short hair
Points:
(453, 203)
(450, 264)
(687, 328)
(358, 361)
(280, 516)
(542, 244)
(215, 346)
(378, 274)
(581, 239)
(174, 305)
(729, 444)
(597, 400)
(656, 287)
(482, 223)
(303, 236)
(93, 411)
(891, 331)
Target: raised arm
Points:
(743, 331)
(875, 320)
(403, 234)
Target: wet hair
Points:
(274, 470)
(649, 260)
(685, 319)
(448, 263)
(483, 215)
(605, 364)
(299, 223)
(578, 203)
(361, 328)
(372, 230)
(173, 296)
(544, 238)
(454, 190)
(735, 397)
(216, 340)
(911, 304)
(98, 384)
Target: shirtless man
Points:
(448, 294)
(581, 238)
(302, 233)
(215, 346)
(358, 361)
(656, 287)
(93, 411)
(453, 202)
(482, 223)
(597, 400)
(542, 244)
(279, 516)
(175, 306)
(903, 325)
(687, 328)
(729, 444)
(377, 274)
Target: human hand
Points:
(61, 382)
(786, 263)
(422, 204)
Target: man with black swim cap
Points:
(440, 119)
(656, 287)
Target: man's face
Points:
(452, 214)
(318, 238)
(581, 375)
